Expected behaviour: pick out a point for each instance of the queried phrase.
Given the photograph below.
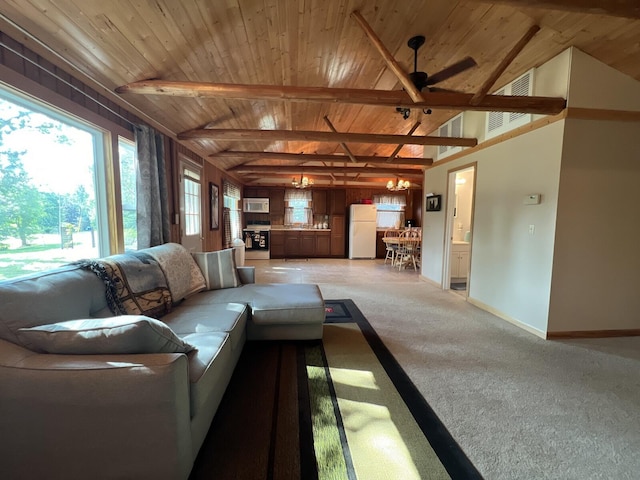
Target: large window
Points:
(390, 210)
(53, 209)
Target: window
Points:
(53, 208)
(390, 210)
(453, 128)
(128, 173)
(192, 201)
(298, 207)
(231, 195)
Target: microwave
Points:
(255, 205)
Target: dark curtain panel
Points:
(226, 228)
(154, 226)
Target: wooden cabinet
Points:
(337, 201)
(256, 192)
(381, 248)
(337, 236)
(276, 201)
(308, 244)
(323, 244)
(291, 244)
(300, 243)
(459, 260)
(277, 244)
(319, 202)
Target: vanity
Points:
(459, 269)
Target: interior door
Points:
(459, 228)
(191, 235)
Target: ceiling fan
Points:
(422, 80)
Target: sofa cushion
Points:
(114, 335)
(210, 367)
(219, 268)
(228, 318)
(44, 298)
(183, 275)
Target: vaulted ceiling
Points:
(306, 81)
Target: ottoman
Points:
(282, 311)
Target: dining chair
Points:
(409, 249)
(391, 248)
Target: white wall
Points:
(596, 279)
(510, 269)
(595, 85)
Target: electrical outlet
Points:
(532, 229)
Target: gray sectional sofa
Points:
(86, 394)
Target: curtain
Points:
(226, 227)
(153, 220)
(231, 194)
(295, 194)
(390, 210)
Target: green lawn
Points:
(26, 260)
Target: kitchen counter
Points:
(282, 228)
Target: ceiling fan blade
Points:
(451, 70)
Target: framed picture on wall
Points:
(433, 203)
(214, 206)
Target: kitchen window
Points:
(390, 210)
(298, 207)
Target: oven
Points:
(256, 242)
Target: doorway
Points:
(191, 235)
(459, 229)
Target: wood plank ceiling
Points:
(270, 52)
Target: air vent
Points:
(453, 128)
(501, 122)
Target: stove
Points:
(256, 241)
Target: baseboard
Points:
(593, 334)
(504, 316)
(428, 280)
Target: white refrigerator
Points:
(362, 231)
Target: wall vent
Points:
(501, 122)
(453, 128)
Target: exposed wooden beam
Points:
(506, 61)
(315, 157)
(617, 8)
(313, 136)
(342, 144)
(247, 169)
(399, 147)
(394, 66)
(383, 98)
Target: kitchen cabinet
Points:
(276, 201)
(337, 201)
(381, 247)
(337, 236)
(319, 198)
(308, 244)
(277, 244)
(323, 244)
(291, 243)
(459, 260)
(256, 192)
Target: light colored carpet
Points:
(519, 406)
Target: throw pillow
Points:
(102, 336)
(183, 275)
(219, 268)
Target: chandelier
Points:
(398, 186)
(304, 182)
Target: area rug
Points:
(368, 420)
